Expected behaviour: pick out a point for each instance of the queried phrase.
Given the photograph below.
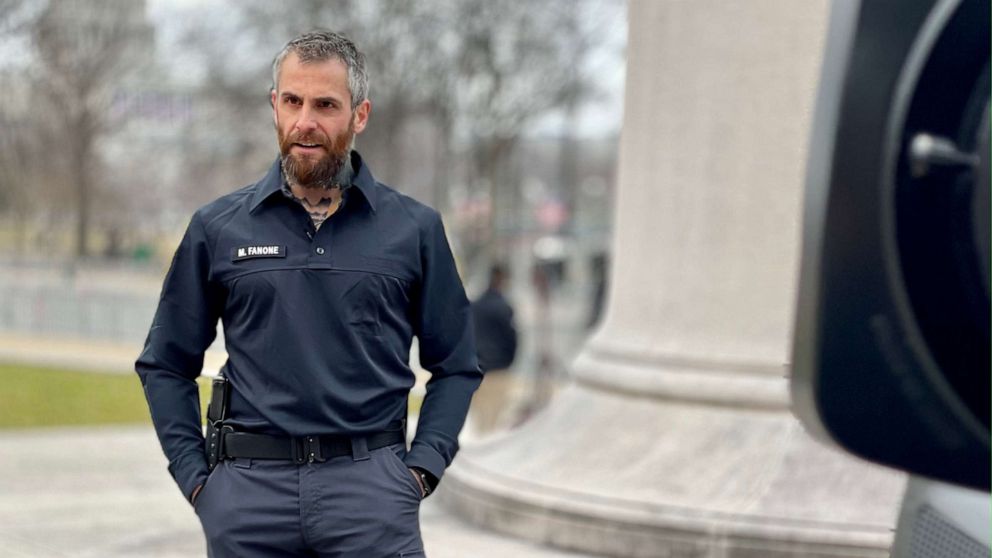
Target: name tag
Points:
(249, 252)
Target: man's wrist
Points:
(426, 480)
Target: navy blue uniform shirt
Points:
(317, 322)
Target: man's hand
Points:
(196, 492)
(420, 482)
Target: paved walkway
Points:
(104, 492)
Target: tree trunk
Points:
(80, 181)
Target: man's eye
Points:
(326, 104)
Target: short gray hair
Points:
(321, 45)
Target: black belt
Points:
(302, 449)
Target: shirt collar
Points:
(362, 180)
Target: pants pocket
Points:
(207, 488)
(400, 468)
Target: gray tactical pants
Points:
(361, 506)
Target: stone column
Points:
(675, 437)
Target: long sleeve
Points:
(184, 327)
(447, 350)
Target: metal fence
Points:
(104, 302)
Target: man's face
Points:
(314, 121)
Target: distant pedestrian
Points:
(544, 276)
(496, 342)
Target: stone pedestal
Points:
(675, 436)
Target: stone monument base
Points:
(610, 474)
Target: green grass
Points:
(34, 396)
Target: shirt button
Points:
(320, 251)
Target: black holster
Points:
(220, 397)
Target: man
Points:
(321, 276)
(496, 338)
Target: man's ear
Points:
(361, 116)
(272, 103)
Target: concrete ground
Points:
(105, 492)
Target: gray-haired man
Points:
(322, 276)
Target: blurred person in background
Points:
(545, 274)
(322, 276)
(496, 340)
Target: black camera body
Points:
(891, 354)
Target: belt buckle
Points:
(307, 450)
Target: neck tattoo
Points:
(320, 210)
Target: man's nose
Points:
(306, 121)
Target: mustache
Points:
(317, 138)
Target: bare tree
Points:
(81, 48)
(17, 136)
(516, 62)
(18, 142)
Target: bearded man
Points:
(322, 276)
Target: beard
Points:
(321, 171)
